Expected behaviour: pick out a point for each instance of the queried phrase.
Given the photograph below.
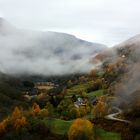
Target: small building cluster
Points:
(80, 102)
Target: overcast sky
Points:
(103, 21)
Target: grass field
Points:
(96, 93)
(59, 126)
(101, 134)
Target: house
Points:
(80, 102)
(94, 100)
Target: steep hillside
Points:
(121, 64)
(10, 94)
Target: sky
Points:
(103, 21)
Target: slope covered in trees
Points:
(75, 102)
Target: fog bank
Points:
(45, 53)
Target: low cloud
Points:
(45, 53)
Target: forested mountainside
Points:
(105, 100)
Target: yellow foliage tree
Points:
(17, 118)
(43, 112)
(100, 109)
(81, 129)
(35, 109)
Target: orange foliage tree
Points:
(81, 129)
(3, 127)
(17, 118)
(35, 109)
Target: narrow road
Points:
(114, 116)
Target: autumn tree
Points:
(81, 129)
(35, 109)
(93, 73)
(18, 120)
(74, 112)
(43, 113)
(110, 68)
(100, 109)
(97, 84)
(3, 127)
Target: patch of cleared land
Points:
(59, 126)
(96, 93)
